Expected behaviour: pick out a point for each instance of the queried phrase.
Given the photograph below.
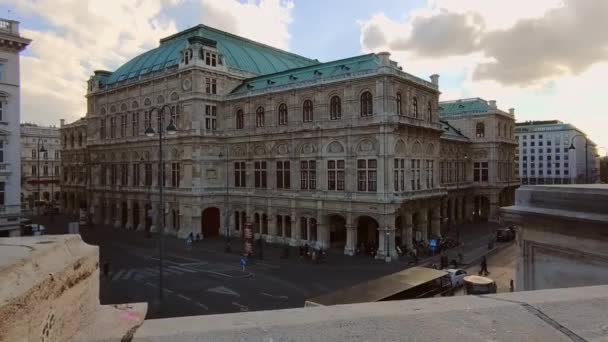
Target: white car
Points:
(457, 275)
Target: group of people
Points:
(313, 254)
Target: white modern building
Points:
(553, 152)
(39, 170)
(11, 44)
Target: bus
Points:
(415, 282)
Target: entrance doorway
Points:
(337, 231)
(367, 232)
(210, 222)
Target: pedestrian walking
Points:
(189, 243)
(243, 262)
(484, 267)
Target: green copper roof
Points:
(239, 53)
(341, 67)
(464, 106)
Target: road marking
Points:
(118, 274)
(149, 271)
(240, 306)
(167, 290)
(273, 296)
(128, 274)
(223, 290)
(201, 305)
(184, 297)
(183, 269)
(150, 284)
(168, 270)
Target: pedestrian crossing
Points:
(148, 272)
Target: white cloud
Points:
(265, 21)
(82, 36)
(573, 92)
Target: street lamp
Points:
(170, 130)
(571, 148)
(41, 149)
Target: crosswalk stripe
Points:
(168, 270)
(118, 274)
(183, 269)
(148, 271)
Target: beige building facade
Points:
(331, 154)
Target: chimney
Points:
(384, 58)
(512, 111)
(435, 79)
(493, 104)
(61, 122)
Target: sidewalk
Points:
(501, 265)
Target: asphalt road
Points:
(206, 280)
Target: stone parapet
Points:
(49, 291)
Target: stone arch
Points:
(367, 231)
(238, 151)
(160, 99)
(416, 148)
(102, 111)
(259, 150)
(112, 109)
(134, 105)
(281, 149)
(124, 107)
(135, 156)
(400, 147)
(147, 102)
(430, 149)
(366, 146)
(335, 147)
(174, 96)
(308, 148)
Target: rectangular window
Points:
(148, 174)
(123, 125)
(208, 85)
(2, 200)
(430, 174)
(135, 124)
(45, 170)
(367, 175)
(210, 117)
(335, 175)
(113, 127)
(102, 175)
(283, 175)
(415, 174)
(213, 86)
(136, 174)
(56, 170)
(399, 174)
(113, 174)
(175, 175)
(102, 129)
(308, 174)
(480, 172)
(260, 173)
(124, 174)
(147, 119)
(240, 175)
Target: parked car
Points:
(505, 234)
(457, 275)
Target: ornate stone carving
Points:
(308, 148)
(282, 149)
(238, 151)
(430, 149)
(335, 147)
(259, 150)
(366, 146)
(416, 148)
(186, 84)
(400, 147)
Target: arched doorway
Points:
(337, 231)
(367, 231)
(135, 215)
(481, 212)
(210, 222)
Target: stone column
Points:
(107, 213)
(154, 218)
(323, 234)
(351, 239)
(494, 207)
(272, 228)
(117, 215)
(423, 225)
(168, 215)
(129, 224)
(142, 217)
(436, 222)
(295, 229)
(408, 231)
(469, 208)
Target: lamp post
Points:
(170, 130)
(571, 148)
(40, 148)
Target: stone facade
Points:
(11, 45)
(331, 154)
(40, 172)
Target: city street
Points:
(206, 280)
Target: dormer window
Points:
(187, 56)
(210, 58)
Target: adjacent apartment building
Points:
(554, 152)
(339, 154)
(11, 44)
(40, 164)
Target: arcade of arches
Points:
(412, 221)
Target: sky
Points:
(548, 59)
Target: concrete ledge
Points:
(513, 317)
(49, 290)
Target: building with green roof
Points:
(334, 154)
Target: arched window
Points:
(103, 111)
(307, 111)
(240, 119)
(283, 114)
(147, 102)
(259, 117)
(160, 99)
(430, 110)
(174, 96)
(398, 100)
(480, 130)
(415, 105)
(367, 104)
(134, 105)
(113, 109)
(335, 108)
(123, 107)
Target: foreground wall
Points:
(49, 291)
(563, 237)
